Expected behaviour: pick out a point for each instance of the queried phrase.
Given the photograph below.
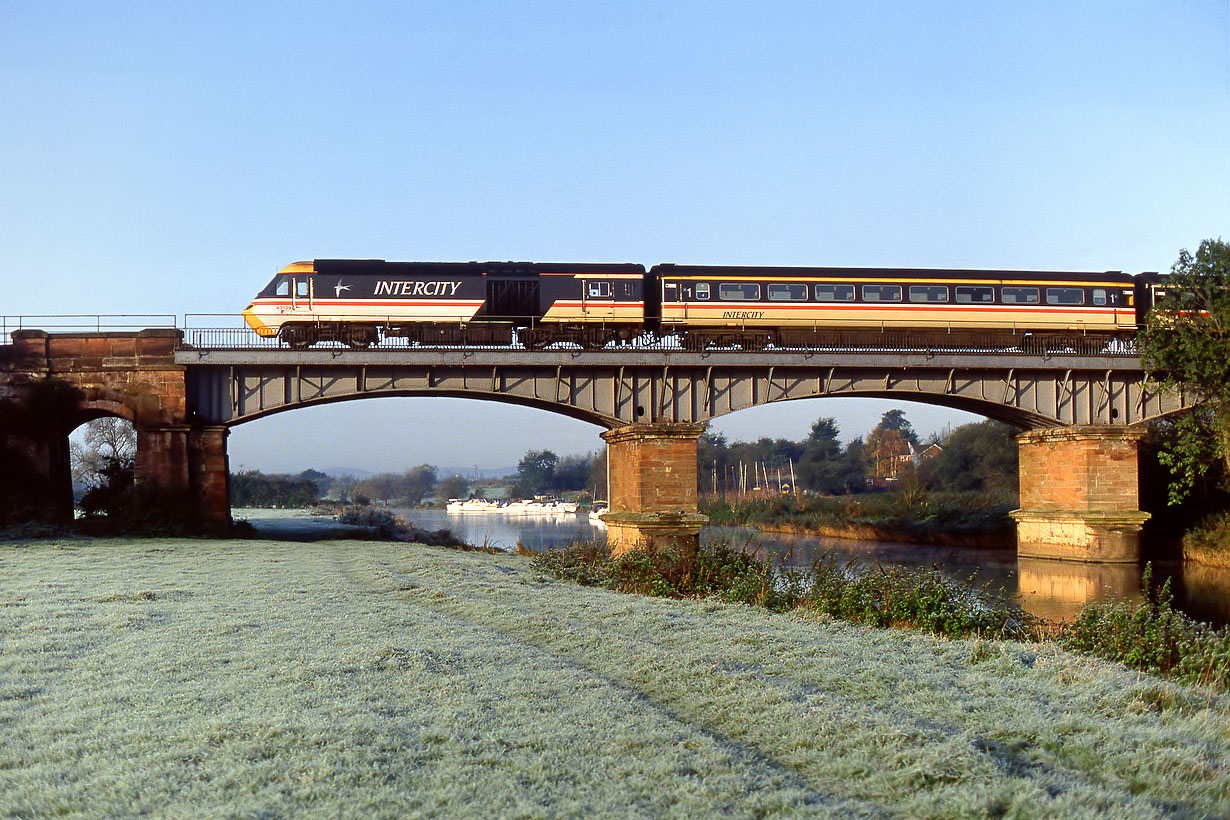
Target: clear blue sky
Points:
(169, 157)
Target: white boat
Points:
(471, 506)
(596, 513)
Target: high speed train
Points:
(359, 302)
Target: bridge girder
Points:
(614, 388)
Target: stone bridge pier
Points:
(1080, 494)
(133, 376)
(651, 486)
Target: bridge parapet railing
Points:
(229, 331)
(88, 323)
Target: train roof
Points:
(931, 274)
(380, 267)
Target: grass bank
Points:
(953, 519)
(250, 678)
(1209, 543)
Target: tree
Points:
(821, 467)
(536, 471)
(105, 441)
(981, 456)
(1185, 345)
(896, 420)
(416, 483)
(453, 487)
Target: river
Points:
(1054, 590)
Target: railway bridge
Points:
(1082, 415)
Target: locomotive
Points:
(697, 307)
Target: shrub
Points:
(1150, 635)
(392, 527)
(897, 597)
(921, 599)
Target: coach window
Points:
(928, 293)
(702, 290)
(975, 294)
(835, 293)
(1065, 296)
(1099, 296)
(599, 290)
(1015, 295)
(738, 292)
(787, 293)
(881, 293)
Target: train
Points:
(360, 302)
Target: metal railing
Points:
(88, 323)
(229, 331)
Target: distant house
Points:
(898, 462)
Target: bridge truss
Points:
(612, 388)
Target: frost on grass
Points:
(370, 679)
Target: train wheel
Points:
(360, 338)
(297, 338)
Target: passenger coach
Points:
(803, 306)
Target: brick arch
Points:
(92, 409)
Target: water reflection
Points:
(1054, 590)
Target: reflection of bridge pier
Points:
(1056, 590)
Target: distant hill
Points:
(442, 472)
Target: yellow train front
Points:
(359, 302)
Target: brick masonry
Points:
(651, 483)
(133, 376)
(1080, 494)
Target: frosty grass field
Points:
(185, 678)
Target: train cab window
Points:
(928, 293)
(1015, 295)
(787, 293)
(702, 290)
(301, 287)
(738, 292)
(881, 293)
(835, 293)
(283, 288)
(975, 294)
(598, 290)
(1099, 296)
(1065, 296)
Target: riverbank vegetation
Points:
(894, 596)
(1185, 347)
(1146, 634)
(394, 680)
(910, 514)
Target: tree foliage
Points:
(252, 488)
(975, 457)
(103, 441)
(536, 472)
(1185, 345)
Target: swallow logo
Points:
(339, 287)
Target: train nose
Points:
(254, 322)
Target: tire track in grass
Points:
(973, 756)
(770, 787)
